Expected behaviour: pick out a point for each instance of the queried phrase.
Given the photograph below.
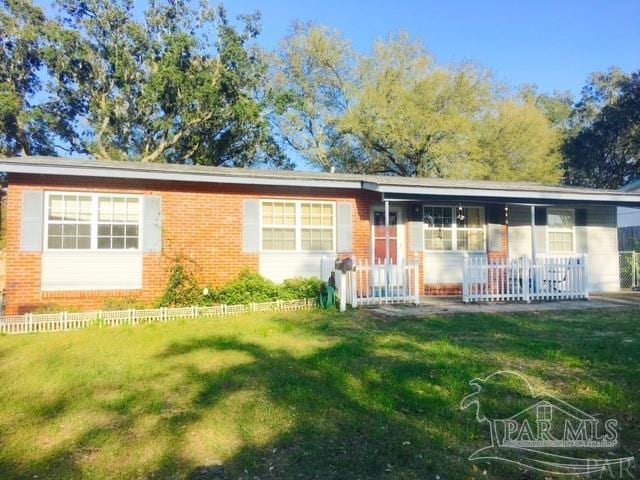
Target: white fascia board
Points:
(172, 176)
(620, 198)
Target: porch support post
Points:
(386, 231)
(387, 279)
(533, 234)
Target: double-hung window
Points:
(470, 229)
(91, 221)
(288, 225)
(69, 221)
(438, 228)
(454, 228)
(278, 225)
(118, 222)
(560, 225)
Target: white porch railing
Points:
(548, 278)
(378, 283)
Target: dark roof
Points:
(381, 183)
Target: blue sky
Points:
(554, 44)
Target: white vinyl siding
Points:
(279, 266)
(91, 270)
(297, 226)
(602, 249)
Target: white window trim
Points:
(94, 222)
(454, 229)
(572, 212)
(298, 227)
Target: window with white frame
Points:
(470, 229)
(297, 225)
(118, 222)
(560, 226)
(454, 228)
(79, 221)
(438, 228)
(69, 221)
(316, 226)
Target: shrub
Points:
(295, 288)
(249, 287)
(182, 287)
(123, 303)
(53, 308)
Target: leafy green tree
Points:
(604, 148)
(397, 112)
(556, 107)
(415, 118)
(32, 122)
(518, 143)
(311, 83)
(181, 85)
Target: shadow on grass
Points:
(380, 399)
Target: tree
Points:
(311, 81)
(397, 112)
(415, 118)
(31, 121)
(556, 107)
(518, 143)
(179, 86)
(604, 148)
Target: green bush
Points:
(54, 308)
(124, 303)
(294, 288)
(249, 287)
(182, 287)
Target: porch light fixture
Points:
(506, 214)
(460, 215)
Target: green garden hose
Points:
(327, 297)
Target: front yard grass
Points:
(298, 395)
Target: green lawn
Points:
(299, 395)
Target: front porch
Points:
(485, 250)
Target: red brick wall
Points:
(202, 222)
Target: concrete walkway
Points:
(454, 305)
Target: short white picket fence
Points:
(548, 278)
(64, 321)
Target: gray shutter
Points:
(152, 227)
(417, 236)
(32, 222)
(344, 230)
(251, 226)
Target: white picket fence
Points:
(548, 278)
(376, 284)
(63, 321)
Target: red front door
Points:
(379, 237)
